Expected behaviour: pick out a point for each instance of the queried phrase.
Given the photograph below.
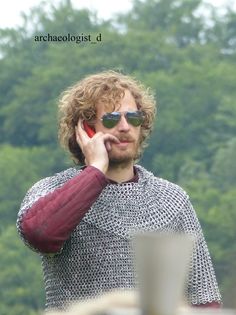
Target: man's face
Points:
(128, 135)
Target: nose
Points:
(123, 125)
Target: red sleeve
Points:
(51, 219)
(209, 304)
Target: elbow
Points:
(40, 239)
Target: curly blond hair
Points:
(108, 87)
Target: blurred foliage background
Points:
(185, 51)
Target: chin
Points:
(120, 158)
(123, 155)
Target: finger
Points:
(80, 132)
(77, 136)
(80, 127)
(110, 137)
(108, 145)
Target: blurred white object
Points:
(125, 302)
(117, 301)
(180, 311)
(162, 262)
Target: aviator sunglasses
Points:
(134, 118)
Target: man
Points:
(82, 220)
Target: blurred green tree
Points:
(20, 273)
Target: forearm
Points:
(50, 220)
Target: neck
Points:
(120, 172)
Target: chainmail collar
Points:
(128, 207)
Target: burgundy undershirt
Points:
(52, 218)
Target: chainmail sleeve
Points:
(202, 286)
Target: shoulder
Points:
(49, 184)
(167, 192)
(58, 179)
(45, 186)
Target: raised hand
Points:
(95, 149)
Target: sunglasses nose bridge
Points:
(123, 122)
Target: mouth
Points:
(123, 143)
(125, 139)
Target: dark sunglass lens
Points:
(135, 118)
(109, 120)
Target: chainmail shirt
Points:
(98, 255)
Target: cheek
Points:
(138, 133)
(99, 127)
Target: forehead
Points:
(126, 103)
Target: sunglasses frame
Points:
(119, 115)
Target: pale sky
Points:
(10, 9)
